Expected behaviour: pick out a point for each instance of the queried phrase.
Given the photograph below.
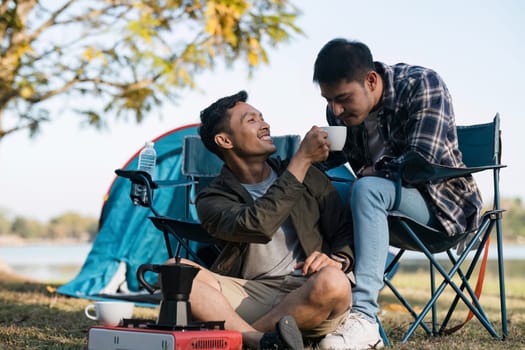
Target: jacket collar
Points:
(230, 180)
(387, 74)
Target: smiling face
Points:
(353, 101)
(249, 135)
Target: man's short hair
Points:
(216, 119)
(341, 59)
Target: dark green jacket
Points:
(228, 212)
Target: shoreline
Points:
(17, 241)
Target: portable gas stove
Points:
(139, 334)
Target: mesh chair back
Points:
(197, 160)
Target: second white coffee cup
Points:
(336, 136)
(109, 313)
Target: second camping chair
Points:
(481, 148)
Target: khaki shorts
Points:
(252, 299)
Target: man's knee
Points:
(330, 283)
(364, 186)
(371, 189)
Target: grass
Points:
(33, 316)
(396, 320)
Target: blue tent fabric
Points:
(126, 235)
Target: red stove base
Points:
(121, 338)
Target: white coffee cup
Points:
(336, 136)
(109, 313)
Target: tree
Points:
(5, 223)
(513, 220)
(127, 55)
(28, 228)
(72, 225)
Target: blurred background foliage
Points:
(83, 228)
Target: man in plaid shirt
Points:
(389, 111)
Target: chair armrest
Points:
(416, 170)
(138, 177)
(175, 183)
(183, 228)
(141, 177)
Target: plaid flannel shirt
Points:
(416, 114)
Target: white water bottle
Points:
(147, 159)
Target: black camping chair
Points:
(481, 148)
(200, 167)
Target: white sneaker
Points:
(354, 333)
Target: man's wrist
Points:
(343, 259)
(298, 166)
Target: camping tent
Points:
(126, 238)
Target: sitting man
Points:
(389, 111)
(287, 255)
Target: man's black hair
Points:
(341, 59)
(216, 119)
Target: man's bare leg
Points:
(327, 294)
(207, 303)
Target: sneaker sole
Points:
(290, 333)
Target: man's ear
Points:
(371, 79)
(223, 141)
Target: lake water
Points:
(61, 263)
(46, 263)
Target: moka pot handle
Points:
(140, 275)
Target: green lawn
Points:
(33, 316)
(415, 286)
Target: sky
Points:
(477, 46)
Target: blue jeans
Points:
(371, 198)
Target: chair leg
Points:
(432, 293)
(168, 244)
(502, 295)
(447, 281)
(382, 333)
(465, 278)
(386, 279)
(182, 243)
(407, 305)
